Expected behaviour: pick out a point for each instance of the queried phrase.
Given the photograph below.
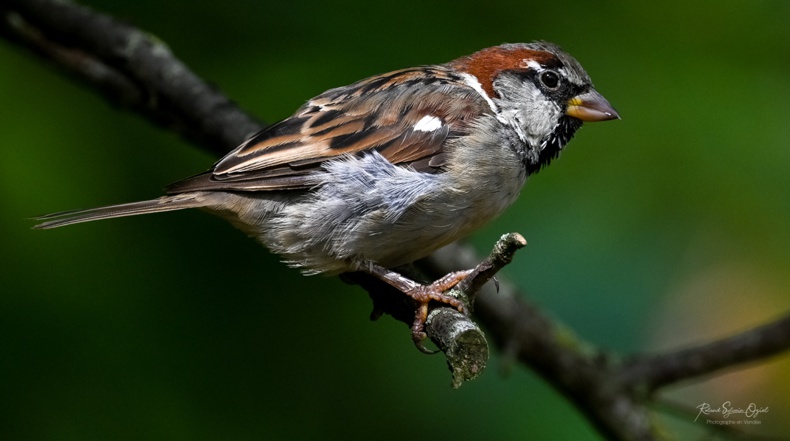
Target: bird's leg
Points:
(422, 294)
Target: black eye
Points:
(550, 79)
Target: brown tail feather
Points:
(165, 203)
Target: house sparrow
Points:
(382, 172)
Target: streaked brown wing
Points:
(407, 116)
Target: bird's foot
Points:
(423, 295)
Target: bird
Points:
(382, 172)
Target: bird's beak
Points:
(591, 106)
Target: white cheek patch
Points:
(428, 123)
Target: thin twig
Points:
(502, 254)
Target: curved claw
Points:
(417, 329)
(418, 339)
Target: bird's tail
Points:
(165, 203)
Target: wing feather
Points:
(382, 113)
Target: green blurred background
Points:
(665, 229)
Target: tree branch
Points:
(578, 370)
(613, 395)
(129, 67)
(653, 372)
(462, 341)
(456, 335)
(135, 70)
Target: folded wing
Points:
(407, 125)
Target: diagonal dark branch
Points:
(656, 371)
(134, 70)
(129, 67)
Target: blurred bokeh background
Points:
(665, 229)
